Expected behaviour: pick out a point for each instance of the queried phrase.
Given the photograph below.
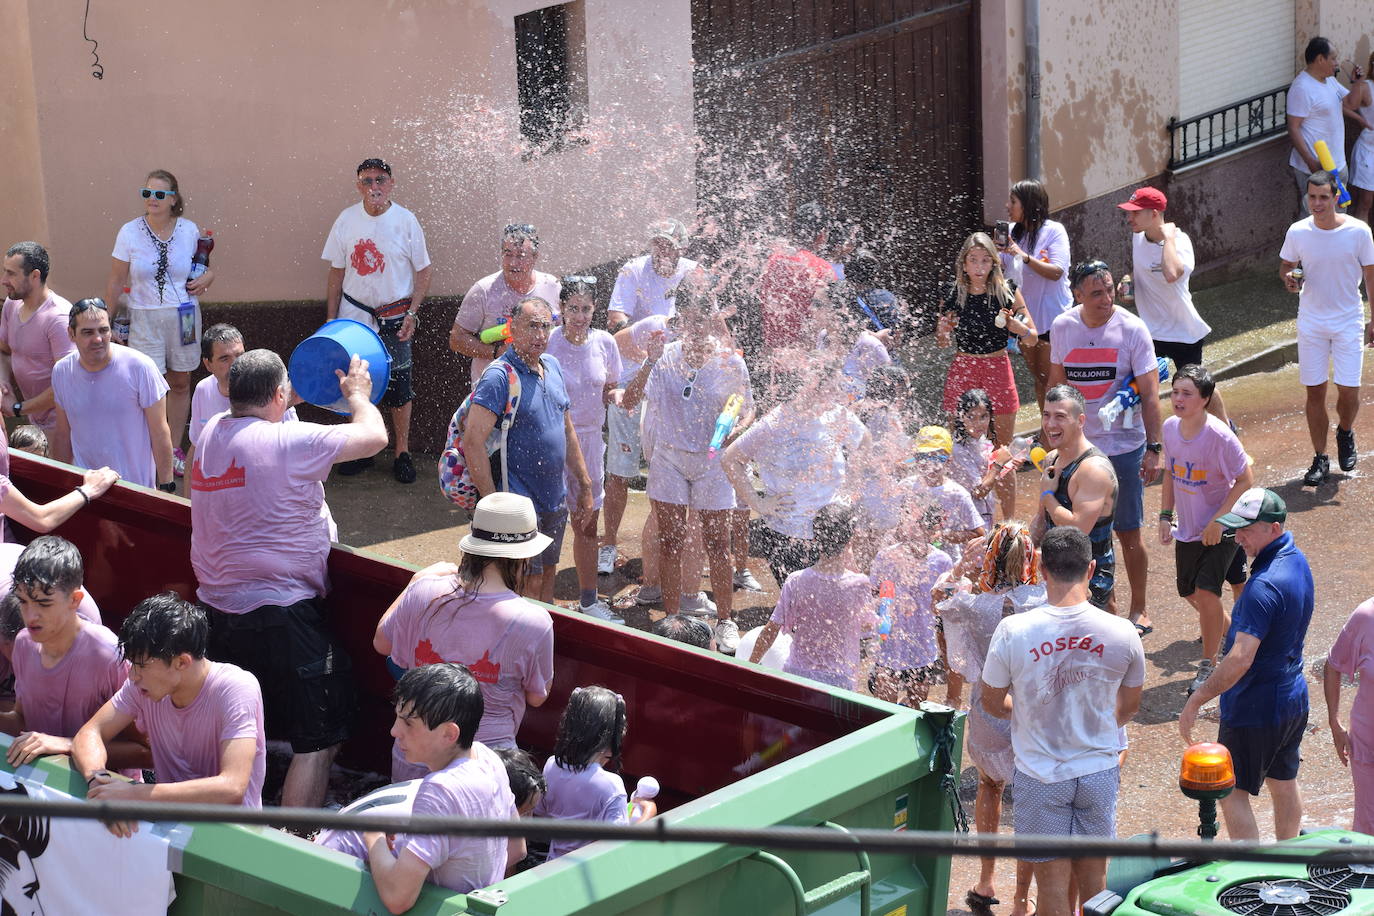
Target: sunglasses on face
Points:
(160, 195)
(379, 181)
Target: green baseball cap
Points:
(1255, 505)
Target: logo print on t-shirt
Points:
(233, 477)
(1188, 474)
(425, 654)
(1092, 370)
(367, 258)
(484, 670)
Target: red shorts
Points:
(992, 373)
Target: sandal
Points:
(980, 904)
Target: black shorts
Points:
(308, 695)
(784, 553)
(399, 392)
(1102, 583)
(1239, 570)
(1266, 752)
(1182, 354)
(1199, 567)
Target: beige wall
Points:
(263, 109)
(1347, 23)
(25, 214)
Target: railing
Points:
(1230, 127)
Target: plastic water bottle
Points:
(887, 598)
(200, 262)
(120, 326)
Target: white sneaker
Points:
(697, 605)
(1204, 671)
(727, 636)
(605, 559)
(602, 611)
(744, 578)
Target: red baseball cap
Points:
(1145, 199)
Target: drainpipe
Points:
(1032, 30)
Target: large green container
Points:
(731, 744)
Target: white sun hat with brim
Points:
(505, 525)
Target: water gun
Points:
(726, 422)
(1328, 163)
(1127, 397)
(496, 334)
(1037, 457)
(641, 806)
(887, 598)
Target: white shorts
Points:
(1323, 355)
(692, 479)
(156, 333)
(624, 452)
(594, 454)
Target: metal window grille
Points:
(1201, 137)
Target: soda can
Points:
(1296, 274)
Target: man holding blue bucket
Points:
(378, 275)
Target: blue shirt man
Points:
(539, 444)
(1260, 679)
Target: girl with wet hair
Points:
(1037, 257)
(591, 734)
(1006, 582)
(972, 465)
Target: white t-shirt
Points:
(1045, 299)
(957, 508)
(1064, 666)
(640, 292)
(105, 412)
(686, 423)
(639, 333)
(1318, 103)
(587, 367)
(1332, 262)
(379, 256)
(801, 456)
(1166, 308)
(134, 244)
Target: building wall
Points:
(263, 109)
(25, 215)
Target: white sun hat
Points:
(505, 525)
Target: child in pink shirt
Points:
(203, 719)
(825, 607)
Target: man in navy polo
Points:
(540, 443)
(1260, 679)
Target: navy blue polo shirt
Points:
(1275, 608)
(537, 440)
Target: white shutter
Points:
(1229, 50)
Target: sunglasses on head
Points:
(160, 195)
(1085, 269)
(522, 229)
(575, 280)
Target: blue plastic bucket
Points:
(332, 347)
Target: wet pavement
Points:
(1330, 523)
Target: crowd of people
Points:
(774, 423)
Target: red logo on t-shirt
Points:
(1092, 370)
(367, 258)
(425, 654)
(484, 670)
(232, 478)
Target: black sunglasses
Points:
(1085, 269)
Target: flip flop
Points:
(1143, 629)
(980, 904)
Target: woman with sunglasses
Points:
(590, 362)
(152, 258)
(686, 386)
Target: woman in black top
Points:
(981, 311)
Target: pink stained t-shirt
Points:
(473, 786)
(586, 370)
(588, 794)
(504, 640)
(826, 615)
(105, 412)
(912, 642)
(206, 402)
(1353, 654)
(61, 699)
(490, 301)
(35, 347)
(186, 742)
(1202, 470)
(1096, 361)
(259, 535)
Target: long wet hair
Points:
(593, 721)
(970, 399)
(1009, 559)
(1035, 209)
(471, 568)
(999, 291)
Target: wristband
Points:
(1044, 493)
(90, 779)
(84, 495)
(1166, 514)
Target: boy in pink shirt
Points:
(220, 345)
(437, 711)
(203, 719)
(65, 668)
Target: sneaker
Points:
(697, 605)
(744, 579)
(1204, 671)
(602, 611)
(356, 466)
(1318, 472)
(649, 594)
(403, 468)
(179, 462)
(727, 636)
(1345, 448)
(605, 559)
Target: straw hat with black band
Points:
(504, 525)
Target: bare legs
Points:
(674, 557)
(584, 552)
(617, 495)
(1240, 817)
(1318, 421)
(1004, 425)
(1212, 621)
(307, 779)
(1137, 563)
(178, 404)
(400, 422)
